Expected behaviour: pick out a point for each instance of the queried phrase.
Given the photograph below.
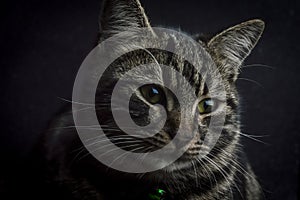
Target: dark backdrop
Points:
(44, 42)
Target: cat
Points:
(70, 172)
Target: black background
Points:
(44, 42)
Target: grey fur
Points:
(225, 173)
(232, 46)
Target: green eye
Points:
(153, 94)
(206, 106)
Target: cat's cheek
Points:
(203, 120)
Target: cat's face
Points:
(226, 50)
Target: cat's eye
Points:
(153, 94)
(206, 106)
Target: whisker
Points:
(86, 104)
(81, 109)
(102, 154)
(253, 138)
(258, 65)
(257, 136)
(98, 142)
(223, 173)
(203, 166)
(126, 153)
(74, 102)
(238, 166)
(221, 157)
(195, 172)
(111, 144)
(106, 152)
(70, 127)
(252, 81)
(113, 138)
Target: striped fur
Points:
(223, 174)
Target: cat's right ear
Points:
(230, 48)
(121, 15)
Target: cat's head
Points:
(227, 50)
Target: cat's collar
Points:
(157, 194)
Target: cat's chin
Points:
(180, 164)
(176, 166)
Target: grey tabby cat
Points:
(223, 174)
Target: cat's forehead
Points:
(172, 50)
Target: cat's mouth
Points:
(180, 164)
(184, 162)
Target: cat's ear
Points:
(232, 46)
(121, 15)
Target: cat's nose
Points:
(186, 126)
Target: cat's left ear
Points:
(230, 48)
(121, 15)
